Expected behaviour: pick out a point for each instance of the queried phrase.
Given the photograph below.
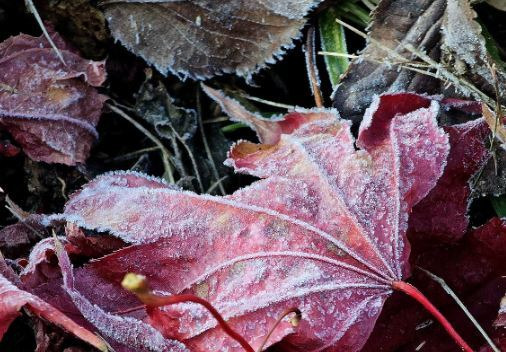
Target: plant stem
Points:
(138, 284)
(278, 321)
(152, 300)
(413, 292)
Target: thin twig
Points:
(165, 152)
(216, 184)
(451, 77)
(216, 120)
(365, 57)
(63, 187)
(21, 215)
(312, 70)
(268, 102)
(214, 170)
(190, 155)
(133, 154)
(35, 13)
(276, 323)
(452, 294)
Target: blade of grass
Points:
(333, 39)
(499, 205)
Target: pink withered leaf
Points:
(50, 108)
(12, 299)
(324, 230)
(129, 331)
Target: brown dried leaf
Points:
(202, 38)
(395, 23)
(445, 30)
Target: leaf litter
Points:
(323, 232)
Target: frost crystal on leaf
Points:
(203, 38)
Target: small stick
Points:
(452, 294)
(268, 102)
(138, 285)
(413, 292)
(312, 70)
(35, 13)
(278, 321)
(164, 151)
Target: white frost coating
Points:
(302, 255)
(357, 311)
(339, 196)
(79, 122)
(125, 330)
(294, 11)
(37, 255)
(411, 122)
(265, 299)
(130, 237)
(320, 232)
(369, 113)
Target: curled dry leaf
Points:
(12, 299)
(51, 109)
(324, 230)
(445, 30)
(394, 24)
(202, 38)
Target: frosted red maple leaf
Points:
(324, 230)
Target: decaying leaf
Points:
(323, 231)
(202, 38)
(155, 105)
(173, 123)
(498, 4)
(443, 213)
(12, 299)
(394, 24)
(445, 30)
(51, 109)
(492, 180)
(473, 267)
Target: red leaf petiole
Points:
(137, 284)
(413, 292)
